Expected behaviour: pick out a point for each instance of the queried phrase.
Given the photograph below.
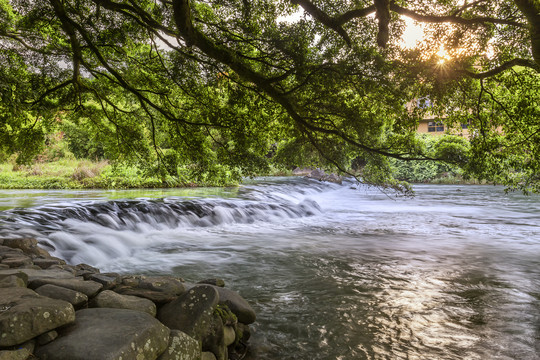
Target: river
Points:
(333, 271)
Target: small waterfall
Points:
(95, 231)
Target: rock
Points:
(25, 314)
(163, 284)
(34, 274)
(27, 245)
(86, 267)
(6, 251)
(89, 288)
(131, 280)
(194, 314)
(229, 335)
(19, 354)
(108, 334)
(181, 347)
(240, 307)
(192, 311)
(47, 337)
(213, 339)
(320, 175)
(206, 355)
(15, 280)
(108, 282)
(75, 298)
(317, 174)
(243, 332)
(45, 263)
(159, 289)
(335, 178)
(17, 261)
(110, 299)
(157, 297)
(3, 266)
(301, 171)
(215, 282)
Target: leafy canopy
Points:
(224, 84)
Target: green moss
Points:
(226, 315)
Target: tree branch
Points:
(383, 16)
(353, 14)
(499, 69)
(438, 19)
(68, 27)
(323, 18)
(531, 10)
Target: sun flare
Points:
(443, 56)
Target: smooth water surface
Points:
(334, 272)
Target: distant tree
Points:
(219, 81)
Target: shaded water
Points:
(333, 272)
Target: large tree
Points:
(222, 82)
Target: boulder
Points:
(27, 245)
(19, 354)
(110, 299)
(214, 337)
(159, 289)
(46, 263)
(25, 315)
(107, 334)
(89, 288)
(14, 280)
(35, 274)
(47, 337)
(163, 284)
(181, 347)
(206, 355)
(215, 282)
(86, 267)
(107, 281)
(239, 307)
(229, 335)
(17, 261)
(75, 298)
(320, 175)
(157, 297)
(194, 313)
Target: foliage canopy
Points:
(220, 84)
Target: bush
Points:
(449, 148)
(82, 142)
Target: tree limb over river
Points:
(237, 86)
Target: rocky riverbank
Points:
(50, 310)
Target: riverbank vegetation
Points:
(206, 93)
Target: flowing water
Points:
(334, 272)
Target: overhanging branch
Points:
(323, 18)
(499, 69)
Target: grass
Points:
(77, 174)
